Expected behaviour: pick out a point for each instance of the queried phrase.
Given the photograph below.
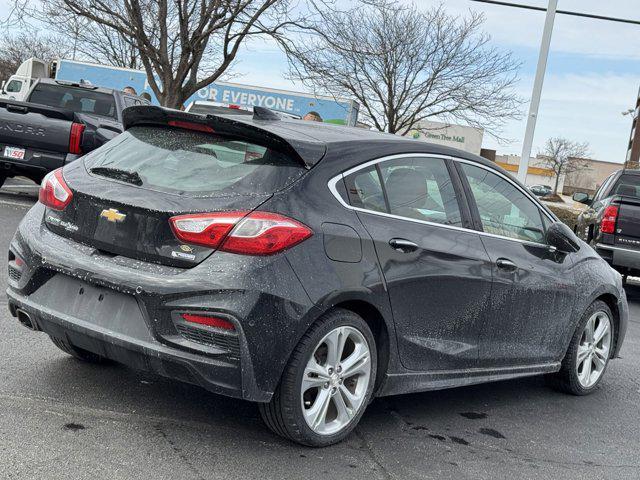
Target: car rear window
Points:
(76, 99)
(191, 163)
(628, 185)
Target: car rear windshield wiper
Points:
(118, 174)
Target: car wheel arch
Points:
(608, 297)
(382, 330)
(612, 302)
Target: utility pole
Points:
(537, 90)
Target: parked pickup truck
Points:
(59, 122)
(611, 223)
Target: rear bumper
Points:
(36, 163)
(215, 375)
(620, 257)
(128, 310)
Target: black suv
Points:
(308, 267)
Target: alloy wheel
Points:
(594, 349)
(335, 381)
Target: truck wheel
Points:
(327, 384)
(588, 355)
(76, 352)
(3, 177)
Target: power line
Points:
(563, 12)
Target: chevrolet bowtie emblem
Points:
(113, 215)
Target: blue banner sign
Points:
(331, 110)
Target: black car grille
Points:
(14, 273)
(211, 339)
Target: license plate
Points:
(14, 153)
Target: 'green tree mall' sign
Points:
(462, 137)
(439, 136)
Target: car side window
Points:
(504, 210)
(420, 188)
(603, 188)
(365, 190)
(14, 86)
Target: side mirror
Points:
(582, 197)
(560, 236)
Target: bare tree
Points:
(95, 42)
(183, 45)
(405, 65)
(15, 49)
(564, 157)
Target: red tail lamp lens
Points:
(205, 229)
(244, 233)
(608, 224)
(54, 191)
(209, 321)
(75, 138)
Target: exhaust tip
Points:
(25, 319)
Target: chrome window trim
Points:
(334, 191)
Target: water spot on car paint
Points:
(459, 440)
(74, 427)
(491, 433)
(438, 437)
(474, 415)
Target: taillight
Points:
(255, 233)
(209, 321)
(262, 233)
(608, 223)
(75, 138)
(54, 192)
(205, 229)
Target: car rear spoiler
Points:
(271, 133)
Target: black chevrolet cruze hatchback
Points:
(308, 267)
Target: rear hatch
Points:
(125, 192)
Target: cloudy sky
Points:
(593, 73)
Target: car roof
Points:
(336, 137)
(309, 141)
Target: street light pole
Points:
(537, 90)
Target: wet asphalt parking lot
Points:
(60, 418)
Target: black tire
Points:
(283, 415)
(566, 380)
(78, 353)
(3, 177)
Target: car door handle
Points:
(402, 245)
(506, 264)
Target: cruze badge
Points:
(112, 215)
